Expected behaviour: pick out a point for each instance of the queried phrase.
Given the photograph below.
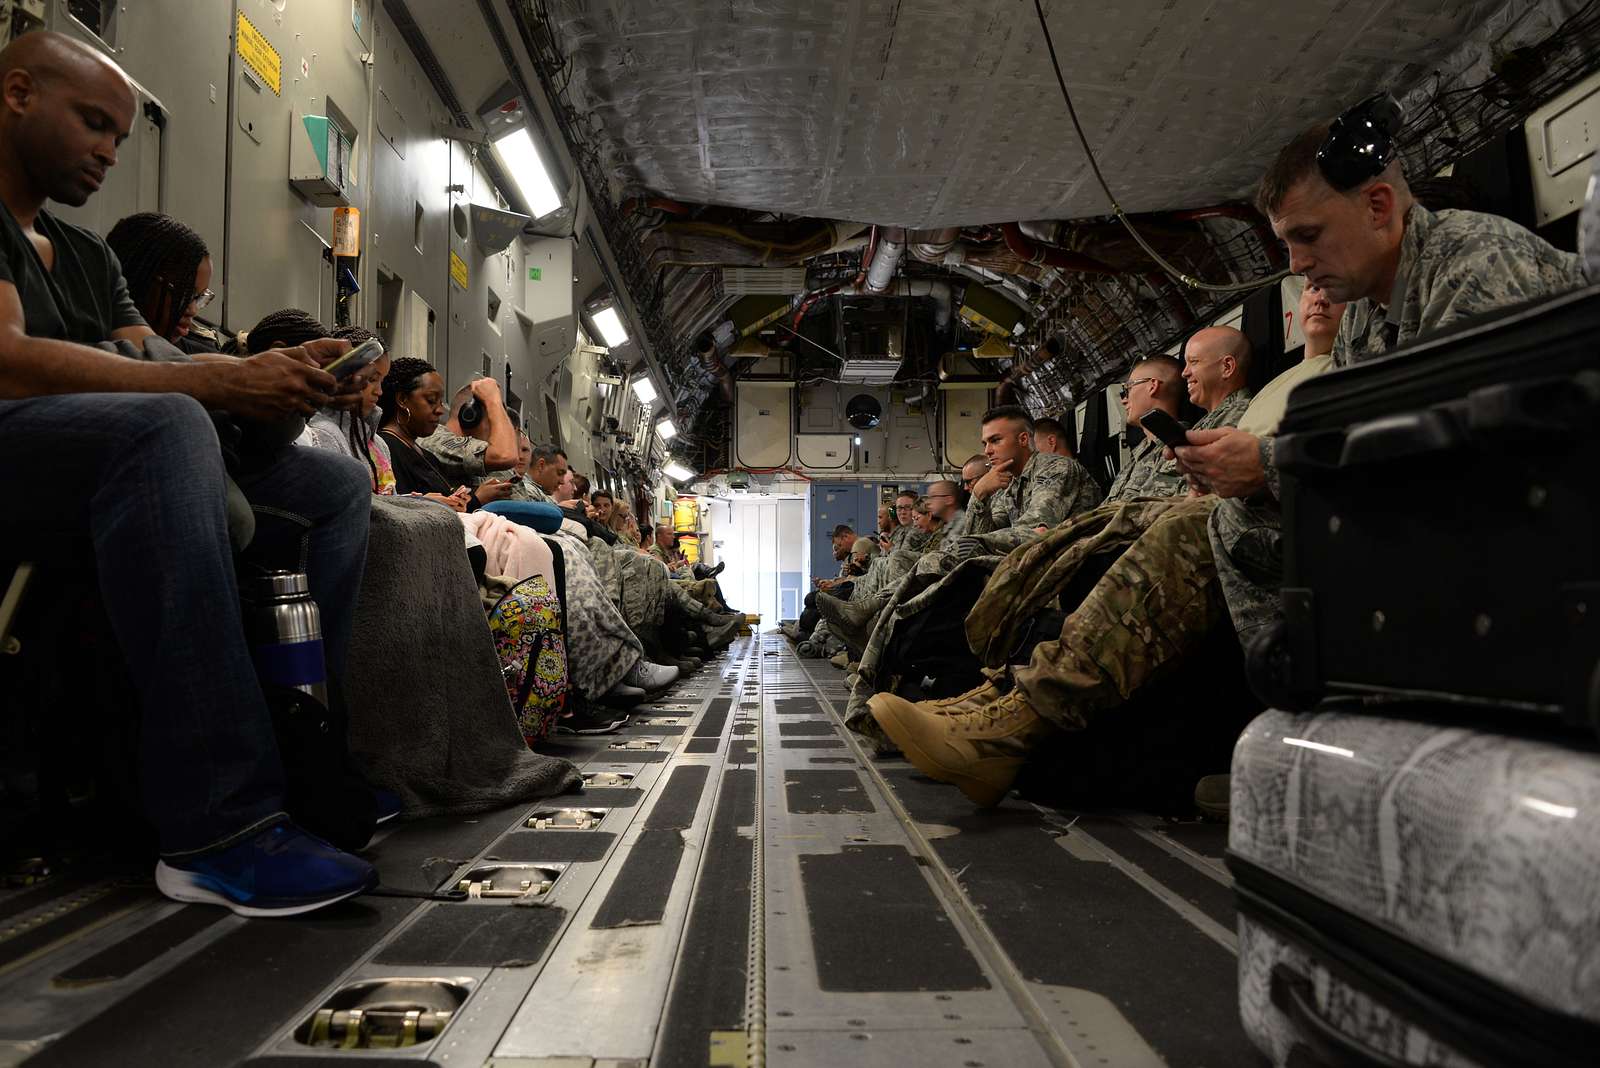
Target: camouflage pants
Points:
(1157, 602)
(1247, 541)
(919, 581)
(600, 646)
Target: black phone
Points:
(1164, 427)
(356, 360)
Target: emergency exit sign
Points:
(535, 274)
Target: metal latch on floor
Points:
(384, 1014)
(566, 819)
(648, 745)
(509, 880)
(604, 779)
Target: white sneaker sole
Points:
(179, 886)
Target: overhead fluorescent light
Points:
(527, 170)
(609, 323)
(677, 472)
(666, 429)
(644, 389)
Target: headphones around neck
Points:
(1361, 142)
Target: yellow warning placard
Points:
(259, 55)
(458, 269)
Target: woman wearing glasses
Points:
(168, 270)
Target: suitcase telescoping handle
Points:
(1292, 994)
(1560, 404)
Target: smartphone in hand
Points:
(1170, 432)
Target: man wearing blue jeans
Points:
(138, 475)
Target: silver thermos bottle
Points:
(287, 634)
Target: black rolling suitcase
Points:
(1441, 513)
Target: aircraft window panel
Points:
(98, 17)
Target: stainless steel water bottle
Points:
(287, 634)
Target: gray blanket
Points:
(429, 717)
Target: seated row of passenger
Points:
(182, 473)
(1186, 538)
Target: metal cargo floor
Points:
(753, 891)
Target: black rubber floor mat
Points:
(632, 756)
(876, 925)
(833, 760)
(815, 792)
(139, 949)
(255, 978)
(23, 900)
(475, 936)
(1070, 922)
(716, 717)
(1210, 896)
(416, 855)
(600, 797)
(675, 808)
(639, 895)
(812, 743)
(797, 706)
(74, 921)
(653, 730)
(742, 752)
(1204, 837)
(567, 846)
(702, 745)
(709, 993)
(806, 728)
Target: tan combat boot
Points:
(985, 693)
(979, 750)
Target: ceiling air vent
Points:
(760, 281)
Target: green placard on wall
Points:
(535, 274)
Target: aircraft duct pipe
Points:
(932, 246)
(885, 260)
(1027, 250)
(706, 349)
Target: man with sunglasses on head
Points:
(1337, 197)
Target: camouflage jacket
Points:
(460, 459)
(1148, 475)
(1049, 489)
(908, 537)
(523, 488)
(1453, 265)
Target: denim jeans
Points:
(136, 482)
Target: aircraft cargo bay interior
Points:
(660, 533)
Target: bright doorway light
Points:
(677, 472)
(667, 430)
(644, 389)
(527, 170)
(609, 323)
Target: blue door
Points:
(832, 503)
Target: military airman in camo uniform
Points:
(1432, 269)
(1157, 601)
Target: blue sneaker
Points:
(283, 871)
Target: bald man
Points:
(1216, 370)
(137, 478)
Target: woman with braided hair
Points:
(355, 433)
(411, 404)
(168, 270)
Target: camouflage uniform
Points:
(908, 537)
(1048, 490)
(1156, 603)
(1453, 264)
(1147, 474)
(460, 459)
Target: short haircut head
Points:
(1049, 425)
(841, 530)
(1014, 412)
(580, 485)
(545, 454)
(1297, 161)
(907, 493)
(1165, 369)
(597, 494)
(944, 485)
